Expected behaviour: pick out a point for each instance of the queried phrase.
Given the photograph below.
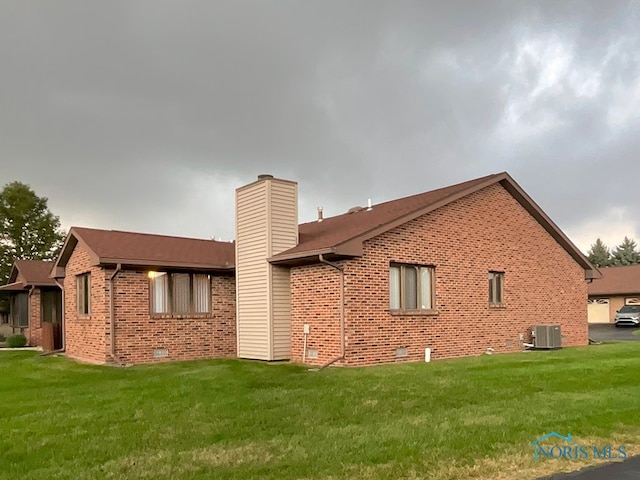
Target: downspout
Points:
(112, 315)
(340, 269)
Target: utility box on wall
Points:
(546, 336)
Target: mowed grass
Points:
(234, 419)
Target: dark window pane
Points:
(20, 310)
(181, 293)
(410, 288)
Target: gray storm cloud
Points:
(145, 115)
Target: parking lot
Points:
(609, 333)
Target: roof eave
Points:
(509, 184)
(150, 264)
(380, 229)
(349, 249)
(70, 243)
(13, 276)
(616, 293)
(14, 287)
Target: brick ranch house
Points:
(458, 270)
(35, 303)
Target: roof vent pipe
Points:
(369, 207)
(320, 217)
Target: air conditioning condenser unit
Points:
(546, 336)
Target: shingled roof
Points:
(617, 281)
(112, 247)
(336, 237)
(32, 273)
(342, 235)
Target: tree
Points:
(626, 253)
(599, 254)
(28, 230)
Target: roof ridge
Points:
(161, 235)
(407, 197)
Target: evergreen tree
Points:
(28, 230)
(599, 254)
(626, 253)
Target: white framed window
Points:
(179, 293)
(496, 288)
(411, 287)
(83, 294)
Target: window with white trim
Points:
(411, 287)
(179, 293)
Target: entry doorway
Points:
(51, 300)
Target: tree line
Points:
(624, 254)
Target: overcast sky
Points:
(146, 115)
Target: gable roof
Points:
(617, 281)
(344, 234)
(112, 247)
(34, 273)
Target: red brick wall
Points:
(85, 337)
(138, 334)
(315, 301)
(34, 332)
(464, 240)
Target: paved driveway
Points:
(627, 470)
(609, 333)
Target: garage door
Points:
(598, 310)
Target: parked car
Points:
(628, 315)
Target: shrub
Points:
(17, 340)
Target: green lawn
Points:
(232, 419)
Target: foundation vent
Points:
(160, 353)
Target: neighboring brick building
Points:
(457, 270)
(619, 286)
(35, 304)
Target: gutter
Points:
(112, 315)
(340, 269)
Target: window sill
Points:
(497, 306)
(82, 316)
(185, 316)
(413, 313)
